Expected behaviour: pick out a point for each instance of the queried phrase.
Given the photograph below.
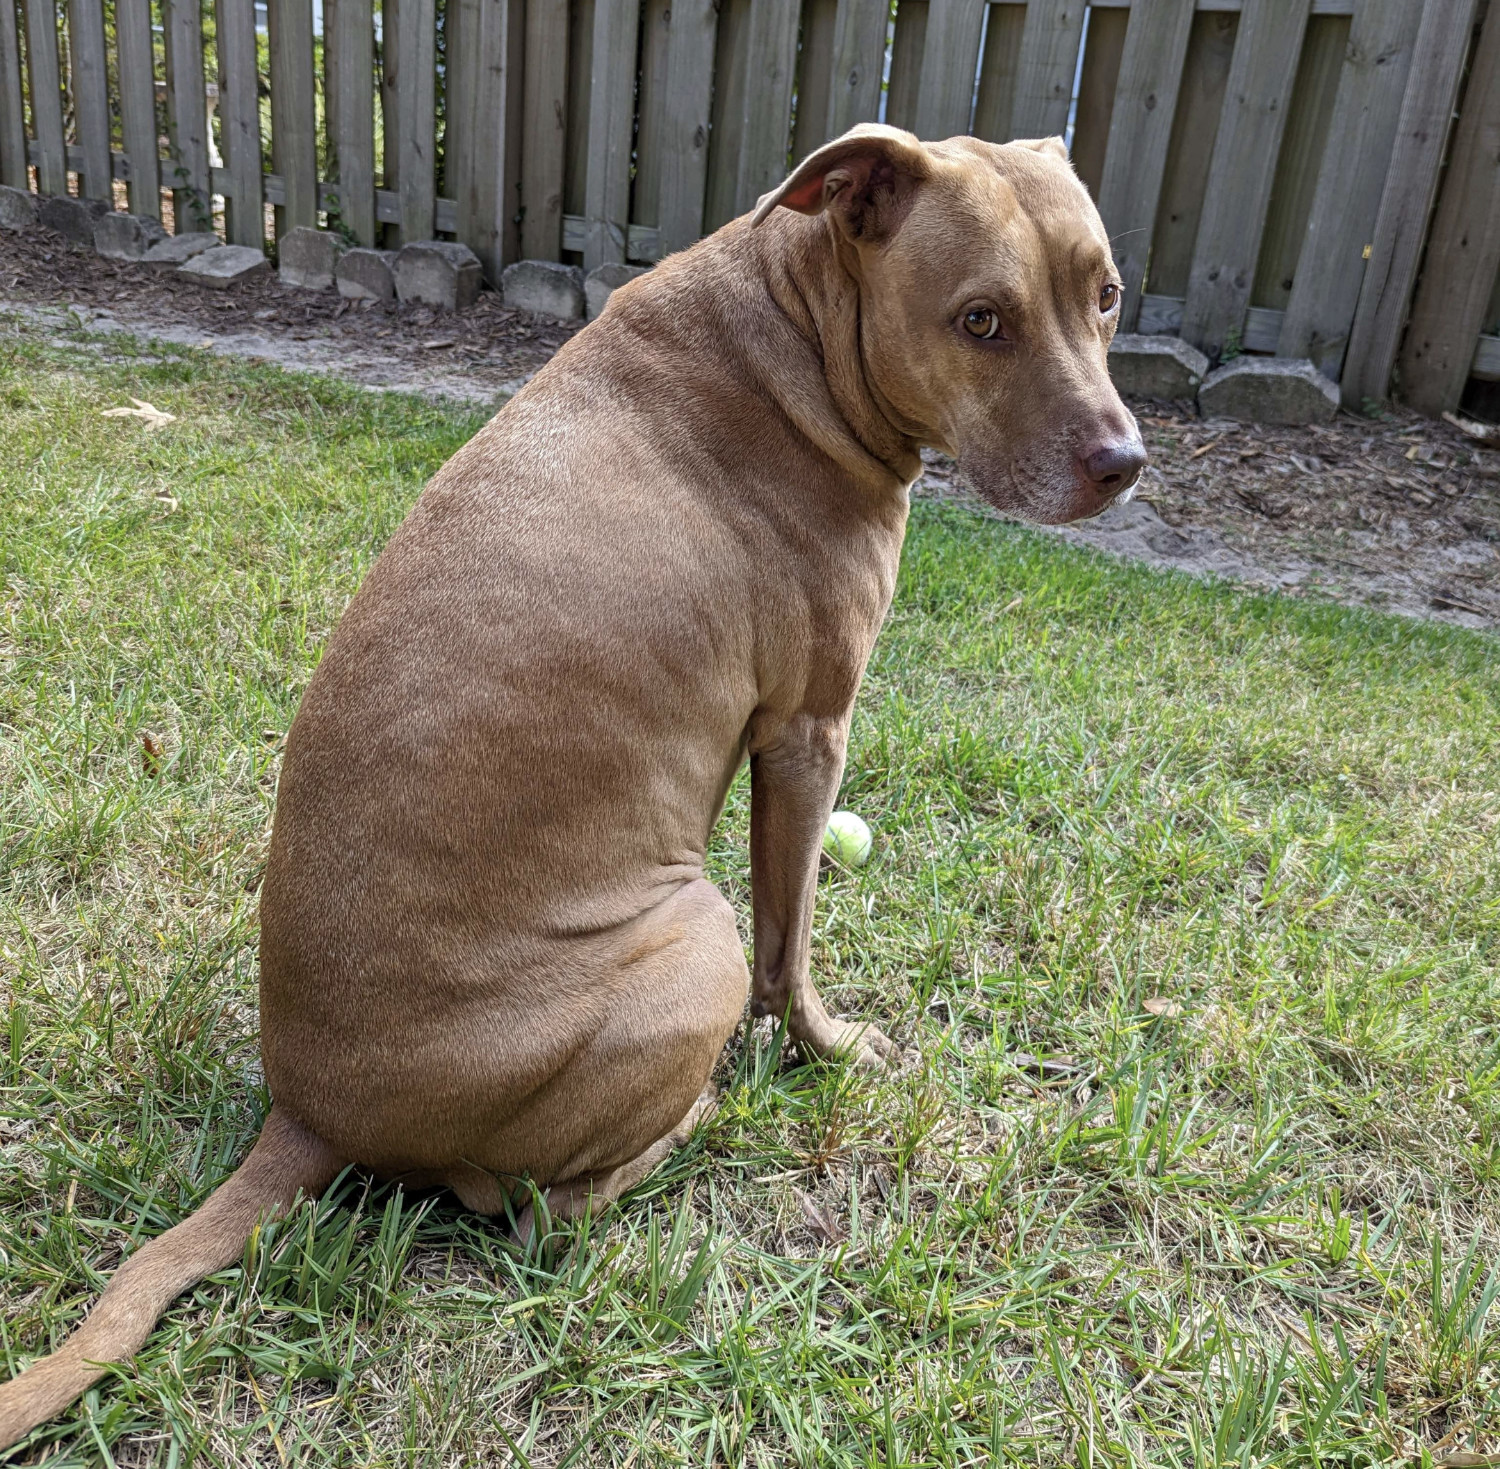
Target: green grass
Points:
(1258, 1227)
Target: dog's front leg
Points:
(794, 777)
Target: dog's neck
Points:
(811, 276)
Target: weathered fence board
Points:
(12, 118)
(187, 117)
(1367, 108)
(1463, 253)
(580, 78)
(771, 72)
(1406, 200)
(294, 134)
(728, 113)
(487, 108)
(1200, 102)
(544, 131)
(239, 119)
(908, 43)
(1139, 131)
(684, 164)
(998, 73)
(1244, 162)
(650, 109)
(1103, 52)
(950, 59)
(814, 75)
(1049, 58)
(138, 105)
(89, 87)
(611, 113)
(858, 63)
(349, 52)
(416, 113)
(46, 96)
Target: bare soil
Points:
(1399, 512)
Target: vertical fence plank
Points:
(460, 67)
(1463, 251)
(294, 118)
(187, 117)
(1244, 163)
(772, 71)
(1341, 218)
(1302, 147)
(489, 115)
(1200, 100)
(544, 131)
(908, 44)
(1097, 84)
(580, 75)
(137, 71)
(820, 20)
(858, 61)
(239, 118)
(89, 84)
(611, 113)
(728, 113)
(950, 59)
(349, 75)
(1049, 60)
(651, 110)
(684, 164)
(1139, 131)
(46, 96)
(999, 73)
(416, 115)
(12, 118)
(1406, 201)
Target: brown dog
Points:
(488, 949)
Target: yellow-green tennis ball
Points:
(847, 839)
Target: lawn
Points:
(1185, 904)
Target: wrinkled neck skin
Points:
(812, 275)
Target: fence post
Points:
(90, 88)
(138, 105)
(12, 121)
(611, 116)
(349, 76)
(1254, 115)
(1406, 202)
(1140, 128)
(858, 58)
(46, 96)
(294, 140)
(950, 57)
(1463, 250)
(1045, 71)
(544, 132)
(239, 117)
(684, 168)
(187, 117)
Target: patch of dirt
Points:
(477, 356)
(1401, 513)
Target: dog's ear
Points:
(1055, 146)
(866, 178)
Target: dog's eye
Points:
(1109, 298)
(983, 323)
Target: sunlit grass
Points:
(1185, 905)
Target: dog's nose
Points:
(1114, 466)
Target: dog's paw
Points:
(866, 1046)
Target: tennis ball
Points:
(847, 839)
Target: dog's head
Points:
(988, 297)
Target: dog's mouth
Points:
(1050, 496)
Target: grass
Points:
(1185, 902)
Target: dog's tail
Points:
(286, 1160)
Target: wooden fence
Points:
(1267, 168)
